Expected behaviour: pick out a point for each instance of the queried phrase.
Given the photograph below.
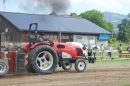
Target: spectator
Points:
(10, 46)
(3, 45)
(119, 49)
(89, 52)
(110, 48)
(15, 46)
(102, 51)
(85, 47)
(128, 48)
(85, 50)
(94, 51)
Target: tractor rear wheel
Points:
(42, 59)
(80, 65)
(66, 65)
(3, 67)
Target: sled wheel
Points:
(80, 65)
(3, 67)
(91, 60)
(43, 59)
(66, 65)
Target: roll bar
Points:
(36, 24)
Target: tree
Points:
(124, 30)
(98, 18)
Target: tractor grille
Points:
(79, 52)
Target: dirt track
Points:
(95, 75)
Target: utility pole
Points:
(59, 34)
(3, 5)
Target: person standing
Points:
(102, 51)
(119, 49)
(128, 48)
(10, 47)
(85, 50)
(84, 47)
(3, 45)
(89, 52)
(94, 51)
(110, 48)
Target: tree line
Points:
(97, 18)
(124, 30)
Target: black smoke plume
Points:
(58, 6)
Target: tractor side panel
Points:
(73, 50)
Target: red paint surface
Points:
(12, 61)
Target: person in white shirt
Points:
(110, 48)
(102, 51)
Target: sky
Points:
(76, 6)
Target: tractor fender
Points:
(39, 43)
(27, 47)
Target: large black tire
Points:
(3, 68)
(66, 65)
(80, 65)
(42, 59)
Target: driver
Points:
(40, 38)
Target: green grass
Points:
(116, 44)
(116, 59)
(125, 85)
(115, 55)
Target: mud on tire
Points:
(42, 59)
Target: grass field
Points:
(116, 44)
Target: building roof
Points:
(53, 23)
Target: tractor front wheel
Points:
(42, 59)
(80, 65)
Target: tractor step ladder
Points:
(20, 63)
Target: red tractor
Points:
(44, 57)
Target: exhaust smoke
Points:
(58, 6)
